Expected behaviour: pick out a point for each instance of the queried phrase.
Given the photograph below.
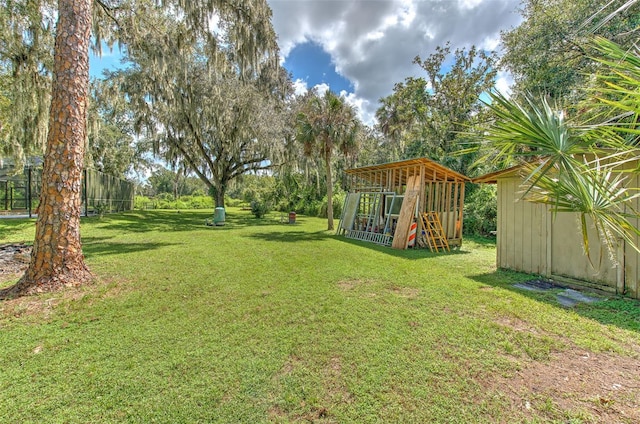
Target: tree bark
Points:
(221, 189)
(57, 259)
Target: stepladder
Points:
(435, 237)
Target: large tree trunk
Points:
(57, 259)
(221, 189)
(327, 158)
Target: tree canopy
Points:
(548, 53)
(432, 115)
(203, 111)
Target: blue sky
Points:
(308, 62)
(108, 61)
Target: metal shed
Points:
(404, 203)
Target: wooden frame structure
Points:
(376, 193)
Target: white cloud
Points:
(504, 81)
(300, 87)
(322, 88)
(360, 104)
(373, 43)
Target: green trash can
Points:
(218, 216)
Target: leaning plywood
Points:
(407, 213)
(349, 211)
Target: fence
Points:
(20, 194)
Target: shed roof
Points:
(492, 177)
(437, 171)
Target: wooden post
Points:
(620, 274)
(456, 208)
(461, 208)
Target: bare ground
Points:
(574, 384)
(14, 259)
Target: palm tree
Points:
(579, 166)
(327, 123)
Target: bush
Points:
(338, 202)
(167, 202)
(481, 211)
(259, 208)
(165, 197)
(310, 208)
(228, 201)
(143, 202)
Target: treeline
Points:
(231, 131)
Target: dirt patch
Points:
(348, 285)
(334, 382)
(518, 325)
(406, 292)
(14, 260)
(594, 387)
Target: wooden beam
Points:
(407, 213)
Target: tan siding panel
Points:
(632, 259)
(518, 232)
(508, 233)
(568, 255)
(527, 235)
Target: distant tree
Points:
(548, 53)
(213, 123)
(433, 115)
(111, 147)
(176, 182)
(326, 123)
(26, 69)
(5, 106)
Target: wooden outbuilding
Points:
(405, 203)
(533, 239)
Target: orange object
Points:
(412, 234)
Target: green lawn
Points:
(259, 321)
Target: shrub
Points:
(481, 211)
(143, 202)
(233, 202)
(259, 208)
(338, 202)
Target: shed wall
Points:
(567, 253)
(631, 257)
(522, 230)
(531, 239)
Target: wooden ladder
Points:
(436, 238)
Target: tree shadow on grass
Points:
(9, 227)
(147, 221)
(107, 248)
(291, 236)
(178, 220)
(412, 253)
(614, 310)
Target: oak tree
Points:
(57, 258)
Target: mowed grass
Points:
(259, 321)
